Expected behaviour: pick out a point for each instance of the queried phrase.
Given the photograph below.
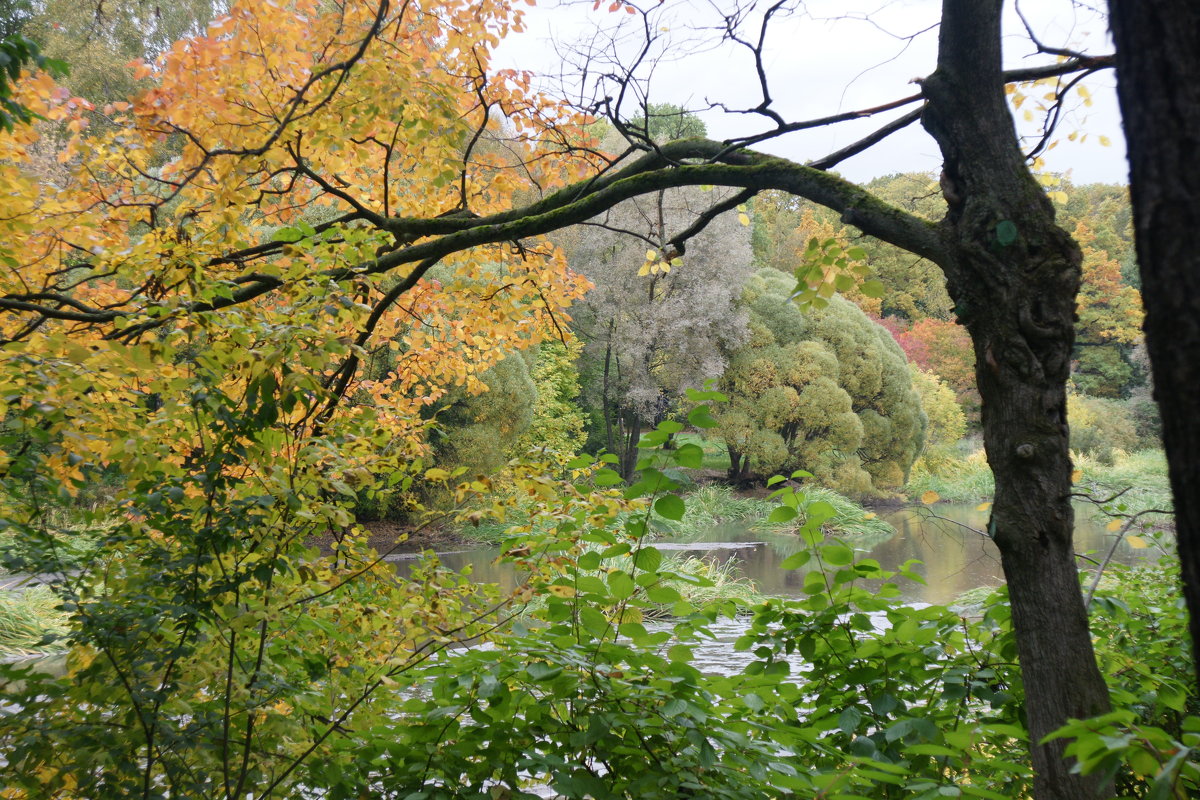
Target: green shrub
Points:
(1101, 427)
(964, 479)
(827, 391)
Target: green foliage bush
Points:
(1146, 420)
(1101, 427)
(947, 422)
(480, 431)
(1149, 746)
(827, 391)
(338, 678)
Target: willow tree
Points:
(267, 123)
(654, 325)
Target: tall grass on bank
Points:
(1141, 476)
(960, 480)
(715, 506)
(30, 621)
(716, 454)
(62, 546)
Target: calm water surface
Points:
(955, 556)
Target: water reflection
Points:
(955, 555)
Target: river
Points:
(955, 556)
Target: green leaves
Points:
(670, 506)
(828, 267)
(689, 455)
(782, 514)
(606, 477)
(700, 417)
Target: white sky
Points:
(841, 55)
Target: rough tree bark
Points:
(1158, 86)
(1013, 274)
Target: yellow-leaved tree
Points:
(208, 356)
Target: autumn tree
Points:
(220, 225)
(99, 38)
(1109, 326)
(944, 348)
(1104, 209)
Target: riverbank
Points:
(1141, 477)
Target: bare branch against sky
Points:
(814, 60)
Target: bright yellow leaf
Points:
(1077, 476)
(1115, 525)
(930, 497)
(561, 591)
(983, 506)
(1137, 542)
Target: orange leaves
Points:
(615, 6)
(280, 122)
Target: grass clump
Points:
(1140, 477)
(30, 622)
(711, 581)
(963, 480)
(715, 506)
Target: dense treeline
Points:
(822, 389)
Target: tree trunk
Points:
(1013, 274)
(1158, 85)
(631, 432)
(735, 466)
(605, 401)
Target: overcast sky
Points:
(834, 56)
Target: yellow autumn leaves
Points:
(655, 265)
